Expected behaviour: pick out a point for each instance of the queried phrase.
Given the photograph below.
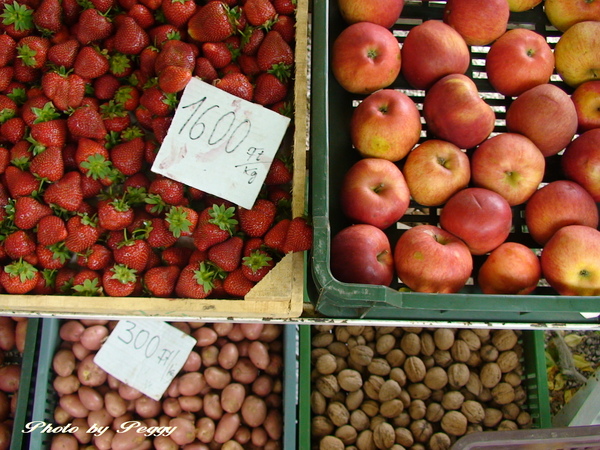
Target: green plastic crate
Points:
(534, 379)
(333, 155)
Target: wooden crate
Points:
(279, 295)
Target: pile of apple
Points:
(451, 155)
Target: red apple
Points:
(386, 124)
(381, 12)
(429, 259)
(522, 5)
(479, 23)
(447, 168)
(546, 115)
(362, 254)
(509, 164)
(576, 54)
(446, 51)
(586, 99)
(365, 58)
(480, 217)
(454, 111)
(556, 205)
(571, 261)
(511, 268)
(581, 162)
(519, 60)
(562, 14)
(374, 191)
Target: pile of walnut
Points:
(417, 388)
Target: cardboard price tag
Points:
(220, 143)
(145, 354)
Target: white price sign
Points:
(145, 354)
(220, 143)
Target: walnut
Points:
(504, 339)
(386, 330)
(372, 386)
(338, 348)
(331, 443)
(474, 428)
(418, 391)
(492, 417)
(460, 351)
(355, 330)
(442, 358)
(512, 378)
(510, 411)
(415, 369)
(440, 441)
(379, 366)
(391, 408)
(473, 411)
(452, 400)
(436, 378)
(385, 343)
(327, 385)
(350, 380)
(474, 360)
(354, 399)
(316, 353)
(454, 423)
(485, 396)
(338, 413)
(341, 364)
(524, 419)
(458, 375)
(398, 374)
(404, 397)
(474, 385)
(410, 344)
(508, 361)
(365, 440)
(322, 339)
(421, 430)
(404, 436)
(370, 407)
(384, 436)
(326, 364)
(427, 344)
(389, 390)
(339, 396)
(361, 355)
(507, 425)
(435, 412)
(402, 420)
(503, 393)
(341, 334)
(359, 420)
(520, 395)
(347, 434)
(489, 353)
(437, 395)
(417, 409)
(322, 328)
(321, 426)
(443, 338)
(395, 357)
(318, 404)
(470, 338)
(368, 333)
(376, 421)
(490, 375)
(484, 334)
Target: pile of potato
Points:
(227, 396)
(417, 388)
(13, 333)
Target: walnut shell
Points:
(316, 353)
(350, 380)
(435, 412)
(379, 366)
(361, 355)
(331, 443)
(490, 375)
(405, 398)
(474, 385)
(524, 419)
(510, 411)
(355, 330)
(322, 339)
(442, 358)
(326, 364)
(368, 333)
(370, 407)
(338, 413)
(492, 417)
(338, 348)
(440, 441)
(507, 425)
(436, 378)
(341, 364)
(327, 385)
(318, 403)
(503, 393)
(386, 330)
(508, 361)
(443, 338)
(458, 375)
(385, 343)
(512, 378)
(484, 334)
(341, 334)
(504, 339)
(391, 408)
(460, 351)
(372, 386)
(404, 436)
(376, 421)
(365, 440)
(454, 423)
(321, 426)
(402, 420)
(389, 390)
(347, 434)
(410, 344)
(417, 409)
(474, 360)
(473, 411)
(398, 374)
(452, 400)
(395, 357)
(354, 399)
(427, 344)
(359, 420)
(384, 436)
(489, 353)
(470, 338)
(421, 430)
(418, 391)
(415, 369)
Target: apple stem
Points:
(382, 255)
(377, 189)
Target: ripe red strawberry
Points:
(18, 244)
(20, 154)
(83, 233)
(160, 34)
(227, 255)
(8, 50)
(65, 91)
(87, 283)
(259, 12)
(6, 77)
(19, 277)
(32, 51)
(251, 40)
(170, 191)
(274, 50)
(128, 156)
(114, 116)
(275, 237)
(90, 62)
(236, 284)
(269, 89)
(160, 281)
(92, 159)
(86, 122)
(13, 130)
(142, 15)
(45, 283)
(17, 19)
(285, 7)
(147, 60)
(236, 84)
(176, 256)
(214, 22)
(20, 182)
(93, 26)
(65, 193)
(256, 222)
(105, 86)
(256, 265)
(133, 253)
(51, 230)
(174, 79)
(48, 16)
(217, 53)
(279, 173)
(119, 280)
(48, 164)
(182, 220)
(286, 26)
(299, 236)
(97, 257)
(178, 12)
(25, 74)
(64, 53)
(159, 236)
(128, 96)
(175, 53)
(204, 70)
(52, 257)
(215, 224)
(160, 127)
(158, 102)
(130, 38)
(4, 159)
(28, 212)
(114, 214)
(51, 133)
(196, 281)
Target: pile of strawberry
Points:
(88, 89)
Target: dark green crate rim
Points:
(333, 298)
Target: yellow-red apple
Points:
(479, 23)
(522, 5)
(519, 60)
(581, 162)
(362, 254)
(446, 167)
(546, 115)
(374, 191)
(511, 268)
(480, 217)
(570, 261)
(576, 54)
(446, 51)
(586, 99)
(562, 14)
(454, 111)
(557, 204)
(386, 124)
(381, 12)
(509, 164)
(365, 57)
(429, 259)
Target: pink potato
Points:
(222, 328)
(212, 406)
(205, 336)
(263, 385)
(228, 355)
(10, 378)
(252, 331)
(127, 438)
(164, 443)
(80, 351)
(205, 429)
(171, 406)
(190, 403)
(90, 398)
(244, 371)
(259, 355)
(192, 383)
(128, 392)
(63, 362)
(4, 406)
(66, 385)
(210, 356)
(115, 405)
(99, 418)
(184, 431)
(254, 411)
(236, 334)
(274, 424)
(193, 363)
(82, 436)
(64, 442)
(270, 332)
(232, 397)
(73, 406)
(226, 428)
(147, 407)
(259, 437)
(5, 435)
(71, 330)
(89, 373)
(217, 377)
(104, 441)
(7, 334)
(93, 337)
